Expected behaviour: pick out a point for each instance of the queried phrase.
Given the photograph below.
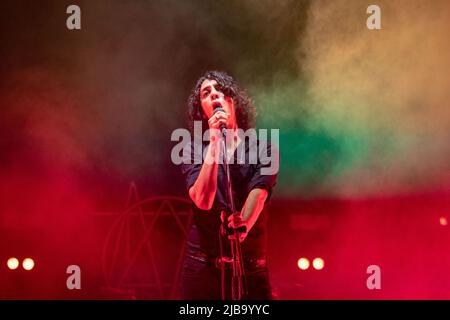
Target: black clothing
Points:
(203, 239)
(202, 278)
(245, 177)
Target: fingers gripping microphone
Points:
(223, 128)
(230, 231)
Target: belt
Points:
(218, 261)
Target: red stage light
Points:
(443, 221)
(318, 263)
(303, 263)
(12, 263)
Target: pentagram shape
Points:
(144, 247)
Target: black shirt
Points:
(204, 235)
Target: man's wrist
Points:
(212, 154)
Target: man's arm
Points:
(203, 191)
(253, 206)
(251, 210)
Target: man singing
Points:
(217, 102)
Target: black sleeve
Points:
(191, 165)
(268, 160)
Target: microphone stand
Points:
(237, 281)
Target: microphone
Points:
(223, 128)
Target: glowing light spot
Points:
(303, 263)
(443, 221)
(28, 264)
(12, 263)
(318, 263)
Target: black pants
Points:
(201, 279)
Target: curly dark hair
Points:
(244, 109)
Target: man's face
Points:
(210, 95)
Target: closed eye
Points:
(205, 93)
(207, 90)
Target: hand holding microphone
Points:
(219, 119)
(239, 225)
